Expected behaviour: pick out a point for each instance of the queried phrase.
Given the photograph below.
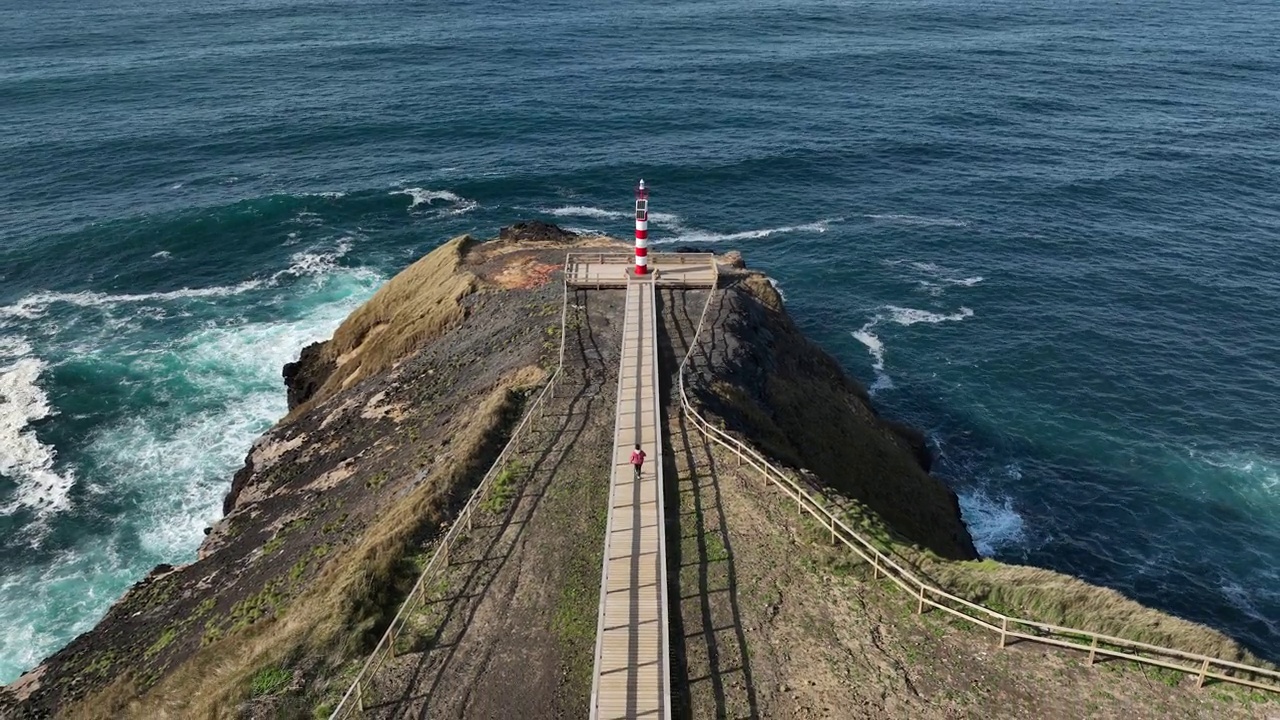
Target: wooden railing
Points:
(1008, 627)
(574, 261)
(353, 703)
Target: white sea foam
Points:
(23, 458)
(911, 316)
(992, 521)
(778, 287)
(876, 348)
(13, 347)
(35, 305)
(162, 255)
(900, 219)
(39, 602)
(585, 211)
(702, 236)
(423, 196)
(947, 275)
(172, 462)
(302, 264)
(315, 263)
(1260, 475)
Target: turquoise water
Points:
(1042, 231)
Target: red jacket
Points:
(637, 457)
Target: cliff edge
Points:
(394, 420)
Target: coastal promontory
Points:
(395, 419)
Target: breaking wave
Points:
(917, 220)
(421, 196)
(23, 458)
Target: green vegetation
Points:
(504, 487)
(161, 643)
(576, 610)
(269, 681)
(376, 481)
(277, 541)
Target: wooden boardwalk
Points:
(632, 678)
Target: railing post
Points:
(920, 607)
(1004, 628)
(833, 529)
(391, 641)
(875, 567)
(1204, 669)
(360, 696)
(1093, 650)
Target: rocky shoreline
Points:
(391, 423)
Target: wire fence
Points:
(1202, 667)
(354, 701)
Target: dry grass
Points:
(416, 305)
(353, 596)
(1050, 597)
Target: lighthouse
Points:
(642, 229)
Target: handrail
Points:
(1045, 633)
(353, 700)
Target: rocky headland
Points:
(395, 419)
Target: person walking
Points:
(637, 459)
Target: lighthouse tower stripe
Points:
(642, 229)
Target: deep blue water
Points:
(1044, 231)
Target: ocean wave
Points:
(916, 220)
(701, 236)
(34, 306)
(992, 521)
(422, 196)
(875, 347)
(178, 461)
(585, 211)
(778, 288)
(947, 275)
(46, 605)
(13, 347)
(1261, 475)
(312, 264)
(309, 263)
(1244, 601)
(162, 255)
(911, 316)
(23, 458)
(666, 221)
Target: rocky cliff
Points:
(392, 422)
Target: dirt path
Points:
(511, 629)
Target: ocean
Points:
(1044, 232)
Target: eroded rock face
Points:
(794, 401)
(322, 482)
(307, 374)
(314, 490)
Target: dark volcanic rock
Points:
(536, 230)
(915, 439)
(307, 375)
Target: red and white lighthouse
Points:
(642, 229)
